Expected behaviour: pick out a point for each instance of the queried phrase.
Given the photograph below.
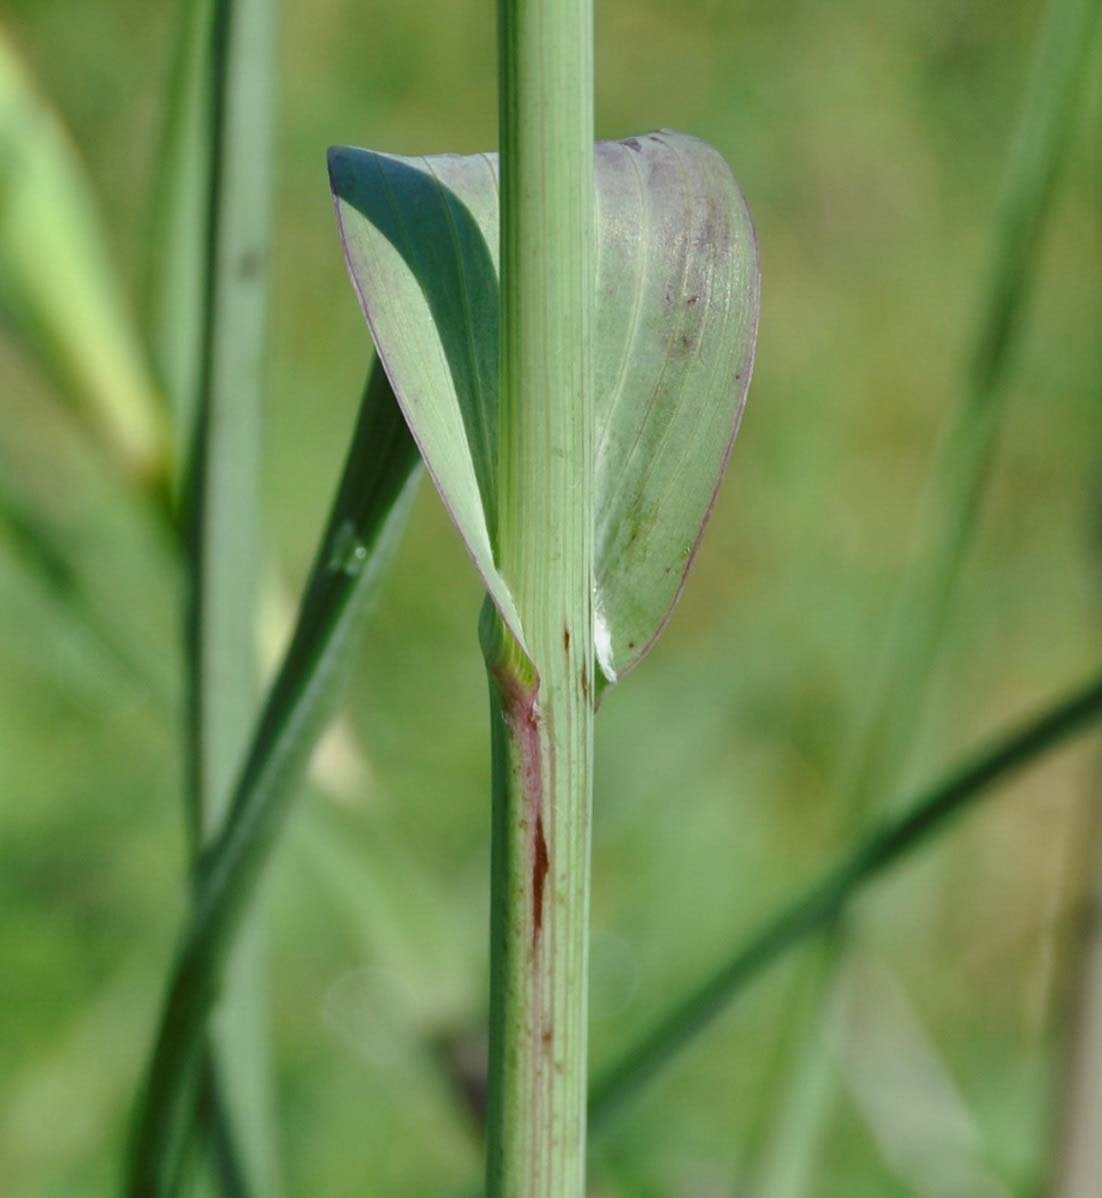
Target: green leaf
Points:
(58, 283)
(677, 306)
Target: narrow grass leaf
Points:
(367, 517)
(678, 293)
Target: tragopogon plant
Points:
(577, 418)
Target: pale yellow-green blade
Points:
(421, 241)
(59, 287)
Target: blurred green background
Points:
(869, 136)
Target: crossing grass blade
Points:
(367, 517)
(826, 900)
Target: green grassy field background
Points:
(869, 137)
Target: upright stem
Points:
(233, 91)
(541, 692)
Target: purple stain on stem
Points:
(540, 865)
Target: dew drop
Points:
(349, 553)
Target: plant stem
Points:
(542, 710)
(225, 491)
(828, 899)
(235, 45)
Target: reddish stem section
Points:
(540, 866)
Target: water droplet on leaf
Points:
(349, 553)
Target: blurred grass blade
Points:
(824, 902)
(176, 285)
(678, 277)
(878, 756)
(1045, 123)
(59, 286)
(367, 516)
(43, 554)
(917, 1115)
(58, 1109)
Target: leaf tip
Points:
(338, 161)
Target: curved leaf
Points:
(678, 291)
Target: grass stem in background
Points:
(1045, 124)
(227, 56)
(822, 904)
(541, 693)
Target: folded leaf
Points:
(678, 291)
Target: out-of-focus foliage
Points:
(869, 138)
(57, 282)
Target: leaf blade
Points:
(658, 472)
(679, 289)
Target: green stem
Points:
(234, 43)
(823, 903)
(225, 489)
(539, 937)
(541, 701)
